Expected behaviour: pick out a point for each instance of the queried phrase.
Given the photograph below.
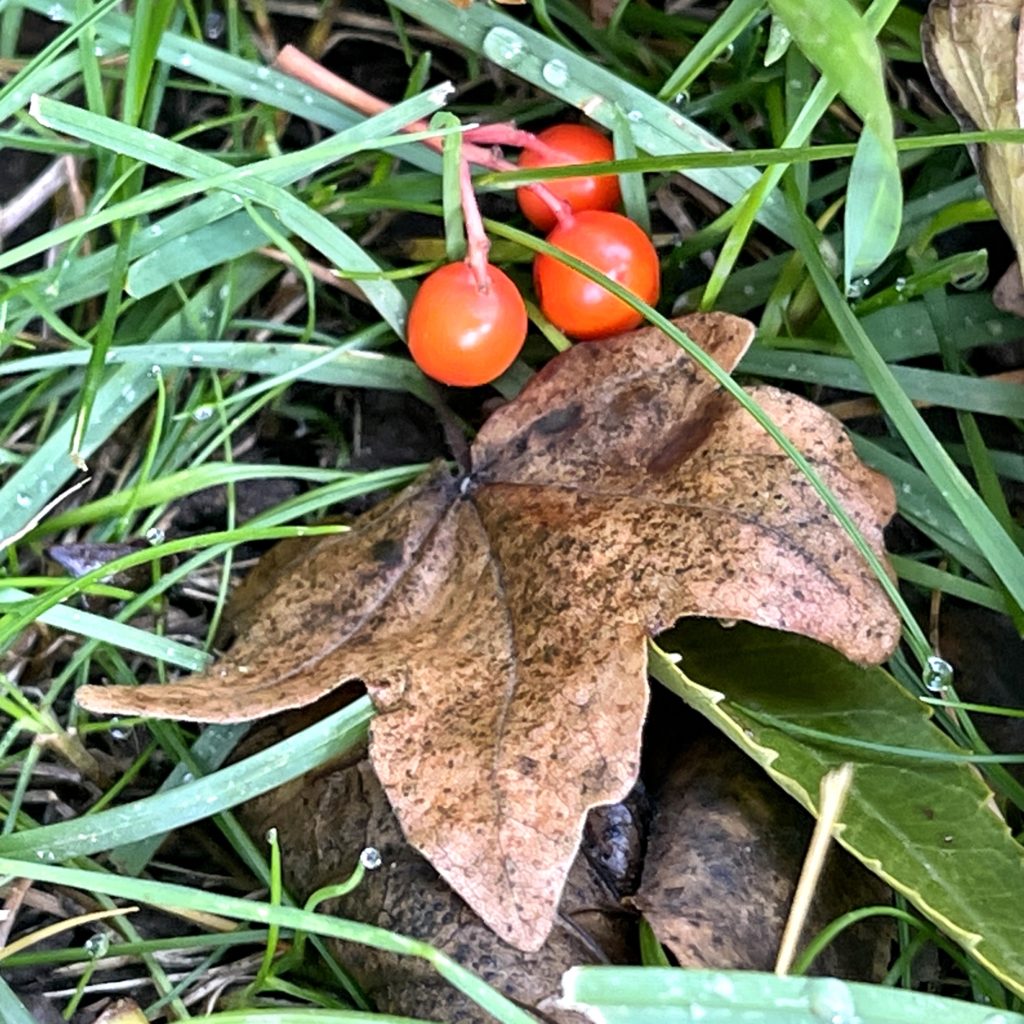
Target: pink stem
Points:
(504, 134)
(295, 63)
(477, 242)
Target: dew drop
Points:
(857, 288)
(23, 501)
(503, 46)
(681, 99)
(938, 674)
(722, 986)
(635, 116)
(748, 290)
(555, 73)
(156, 230)
(263, 73)
(994, 327)
(155, 370)
(185, 61)
(119, 734)
(725, 54)
(900, 284)
(204, 412)
(97, 945)
(996, 1018)
(188, 777)
(307, 98)
(154, 536)
(55, 12)
(831, 1000)
(791, 368)
(370, 858)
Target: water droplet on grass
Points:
(555, 73)
(503, 46)
(370, 858)
(938, 674)
(831, 1000)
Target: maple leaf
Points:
(499, 620)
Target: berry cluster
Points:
(467, 324)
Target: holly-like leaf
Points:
(499, 619)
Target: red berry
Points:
(464, 335)
(612, 244)
(580, 145)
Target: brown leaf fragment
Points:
(723, 858)
(972, 51)
(499, 620)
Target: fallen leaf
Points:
(972, 50)
(499, 619)
(723, 858)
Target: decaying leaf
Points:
(723, 857)
(499, 619)
(973, 51)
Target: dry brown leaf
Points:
(972, 50)
(499, 620)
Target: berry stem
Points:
(294, 62)
(477, 242)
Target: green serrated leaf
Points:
(928, 828)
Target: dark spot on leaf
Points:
(387, 552)
(686, 438)
(559, 420)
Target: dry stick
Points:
(834, 788)
(294, 62)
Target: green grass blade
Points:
(657, 128)
(1002, 553)
(179, 896)
(73, 620)
(874, 205)
(212, 173)
(672, 995)
(221, 790)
